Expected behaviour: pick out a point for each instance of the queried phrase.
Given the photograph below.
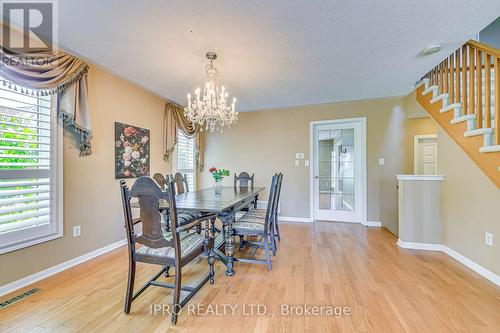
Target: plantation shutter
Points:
(27, 168)
(186, 157)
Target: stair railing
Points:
(467, 76)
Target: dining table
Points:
(225, 204)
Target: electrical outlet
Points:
(381, 161)
(488, 238)
(77, 231)
(306, 163)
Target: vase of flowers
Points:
(218, 175)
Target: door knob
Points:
(316, 177)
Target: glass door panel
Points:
(336, 172)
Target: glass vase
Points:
(217, 187)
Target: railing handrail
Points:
(484, 47)
(461, 76)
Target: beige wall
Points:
(91, 193)
(265, 142)
(471, 202)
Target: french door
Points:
(339, 170)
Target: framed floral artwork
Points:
(132, 151)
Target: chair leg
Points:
(266, 249)
(211, 262)
(177, 295)
(167, 274)
(241, 242)
(130, 286)
(273, 241)
(277, 227)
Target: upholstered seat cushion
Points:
(189, 243)
(252, 218)
(257, 213)
(191, 213)
(248, 227)
(184, 217)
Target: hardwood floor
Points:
(386, 289)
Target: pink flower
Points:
(126, 157)
(212, 169)
(126, 144)
(129, 131)
(144, 139)
(127, 173)
(118, 143)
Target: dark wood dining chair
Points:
(161, 180)
(249, 226)
(181, 183)
(180, 187)
(262, 212)
(244, 180)
(176, 248)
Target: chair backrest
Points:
(244, 178)
(181, 184)
(160, 180)
(271, 203)
(148, 193)
(278, 194)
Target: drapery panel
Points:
(54, 72)
(174, 119)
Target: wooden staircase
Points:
(462, 94)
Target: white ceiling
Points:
(271, 53)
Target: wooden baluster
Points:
(487, 91)
(446, 78)
(441, 78)
(479, 90)
(464, 80)
(457, 76)
(472, 109)
(497, 101)
(451, 88)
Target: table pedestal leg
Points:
(227, 219)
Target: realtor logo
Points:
(29, 26)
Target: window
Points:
(185, 158)
(30, 169)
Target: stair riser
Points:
(471, 124)
(488, 140)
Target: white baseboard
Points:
(421, 246)
(484, 272)
(295, 219)
(23, 282)
(474, 266)
(373, 224)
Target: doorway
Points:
(425, 154)
(338, 172)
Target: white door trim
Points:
(364, 200)
(416, 138)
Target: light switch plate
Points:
(488, 238)
(381, 161)
(77, 231)
(297, 163)
(306, 163)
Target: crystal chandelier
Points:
(209, 109)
